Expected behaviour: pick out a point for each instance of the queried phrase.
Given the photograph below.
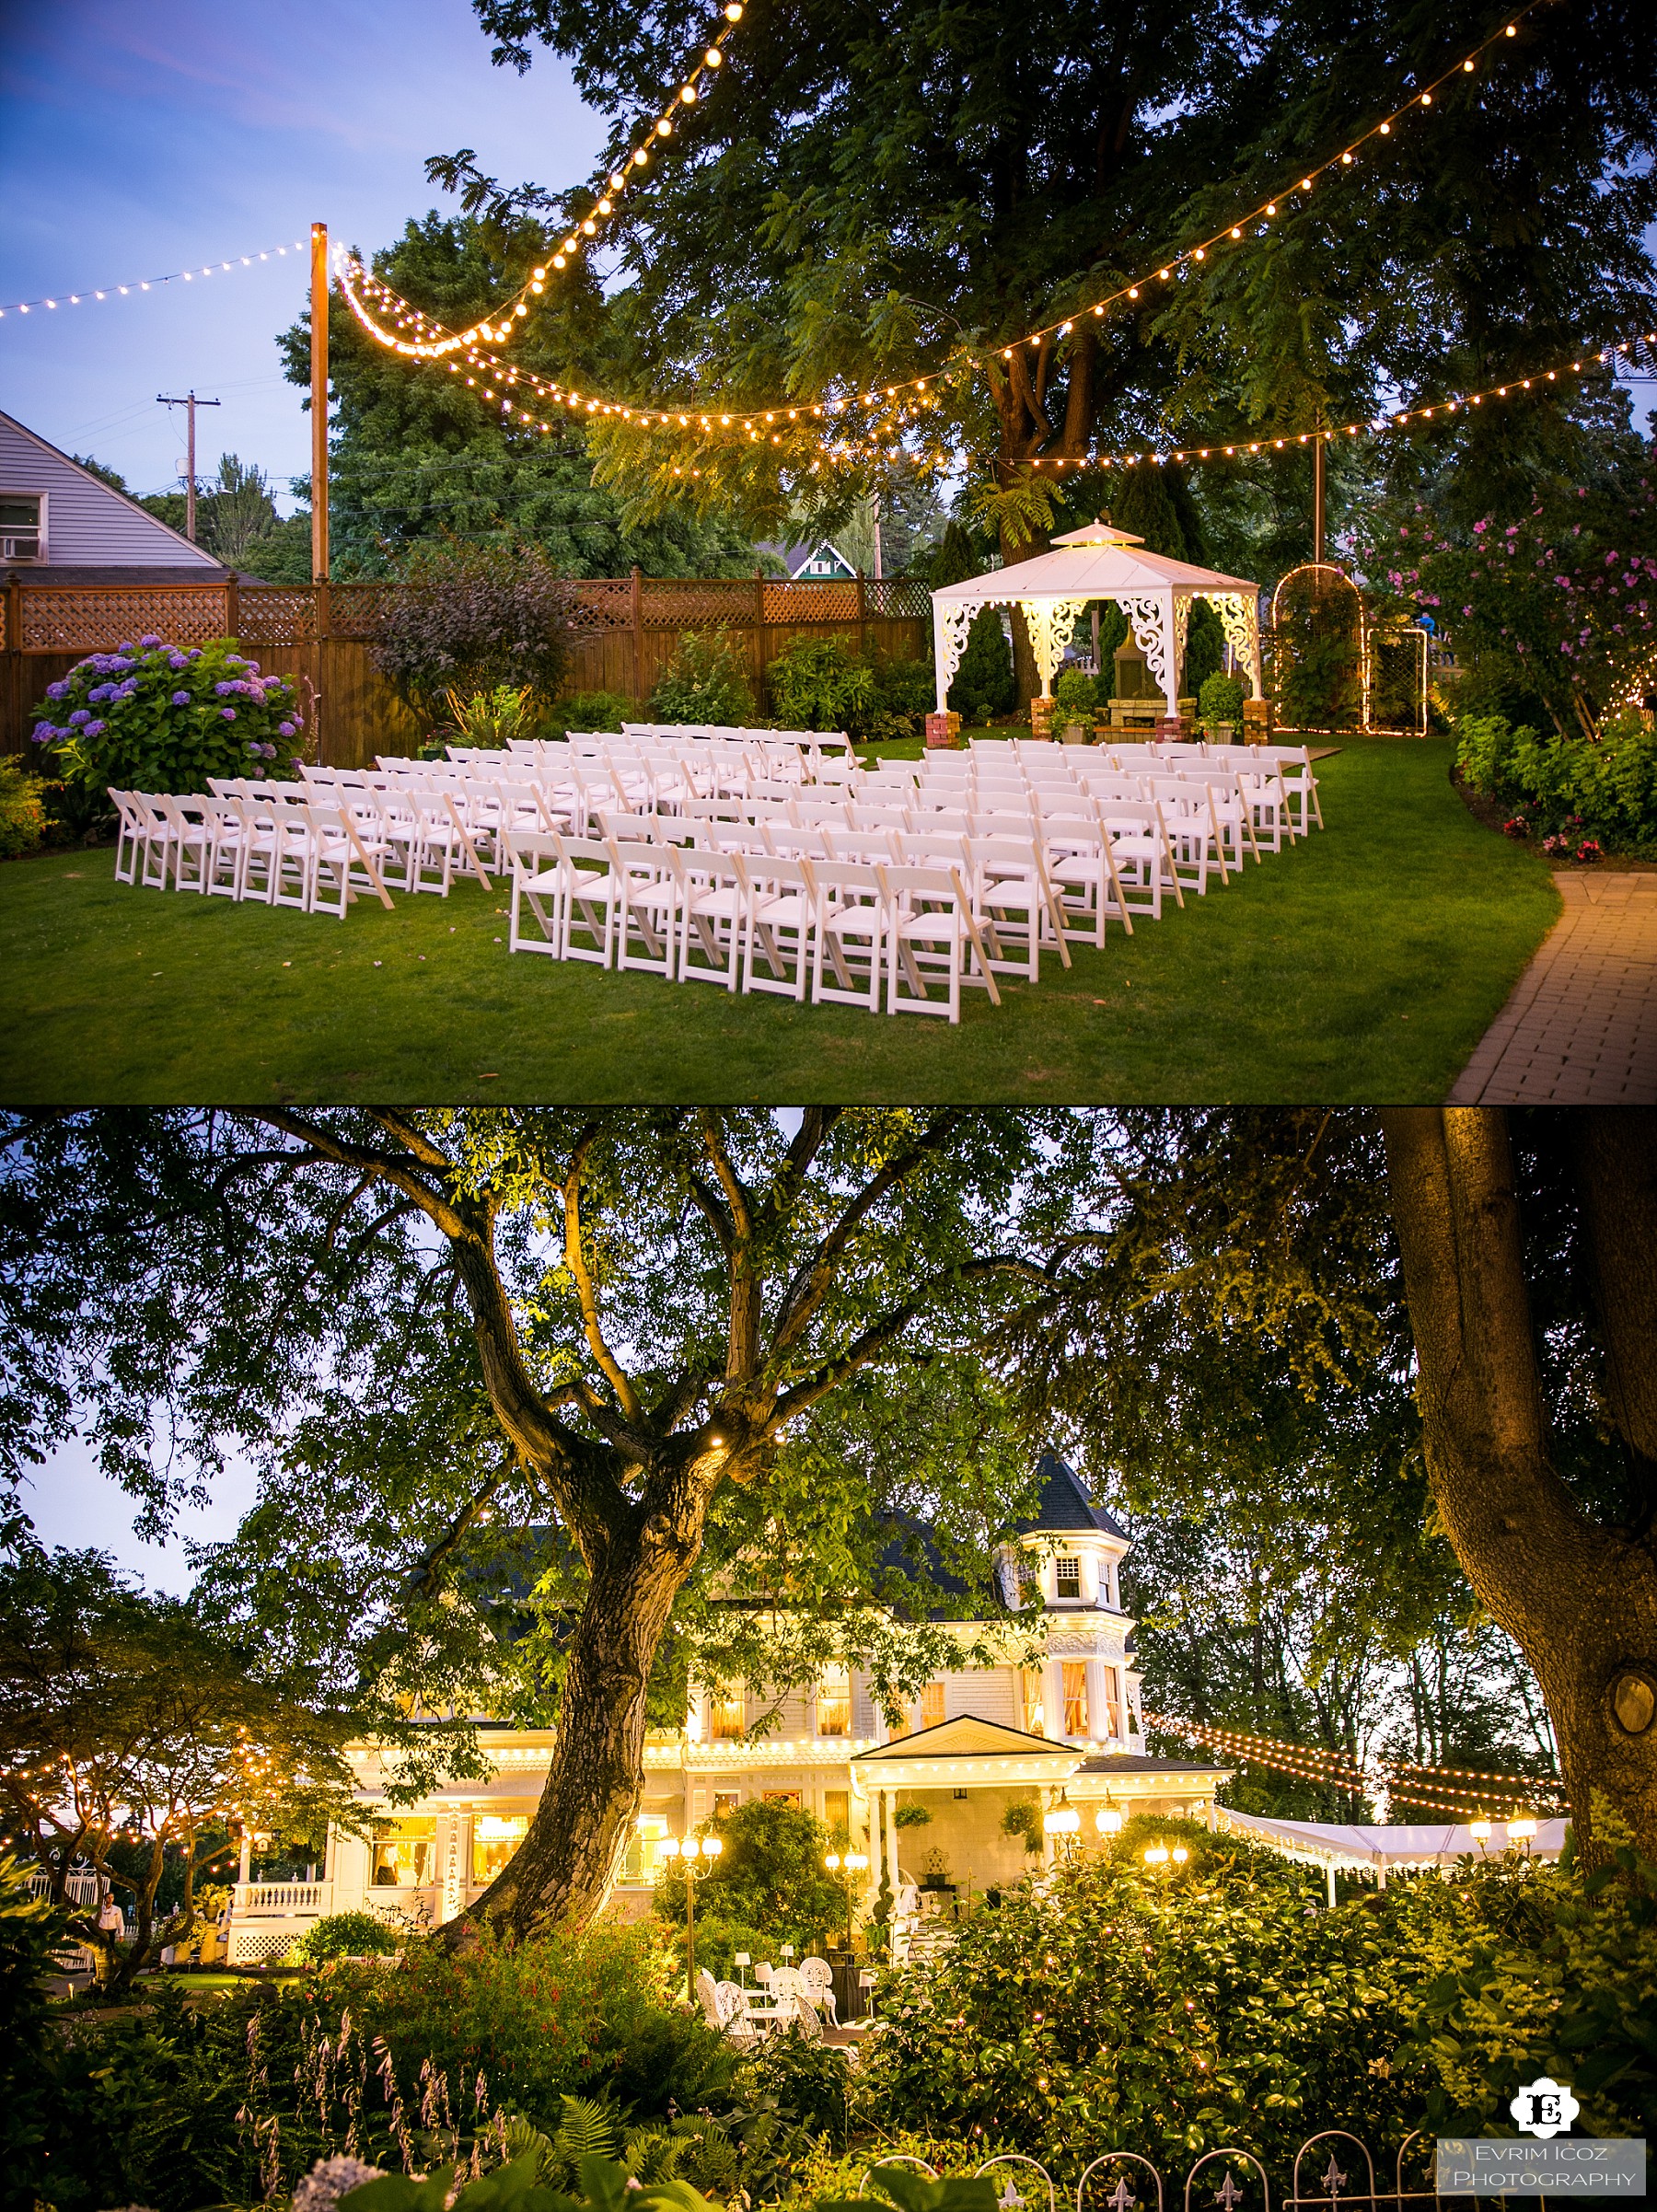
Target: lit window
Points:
(726, 1800)
(725, 1719)
(1034, 1713)
(1112, 1699)
(837, 1815)
(21, 528)
(1068, 1577)
(930, 1711)
(642, 1856)
(495, 1840)
(834, 1706)
(1076, 1697)
(781, 1797)
(405, 1854)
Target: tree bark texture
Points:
(1579, 1598)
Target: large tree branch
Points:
(1618, 1177)
(576, 1259)
(811, 1282)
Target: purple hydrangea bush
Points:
(156, 717)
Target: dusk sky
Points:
(140, 137)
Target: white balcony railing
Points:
(281, 1900)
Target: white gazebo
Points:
(1101, 562)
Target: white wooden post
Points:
(1170, 650)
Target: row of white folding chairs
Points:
(1272, 795)
(300, 852)
(429, 827)
(1091, 869)
(851, 933)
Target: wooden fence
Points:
(626, 630)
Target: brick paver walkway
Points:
(1580, 1027)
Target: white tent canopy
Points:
(1375, 1849)
(1099, 562)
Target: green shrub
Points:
(904, 694)
(151, 717)
(1220, 700)
(1205, 647)
(591, 710)
(471, 618)
(820, 684)
(493, 719)
(1075, 697)
(22, 809)
(1575, 788)
(984, 685)
(706, 680)
(346, 1935)
(769, 1886)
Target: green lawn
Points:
(1364, 964)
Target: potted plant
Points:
(1220, 707)
(1074, 698)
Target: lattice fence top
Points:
(97, 618)
(100, 617)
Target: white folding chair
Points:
(1142, 854)
(541, 881)
(781, 924)
(714, 904)
(593, 893)
(647, 900)
(849, 925)
(929, 926)
(1080, 856)
(1015, 903)
(340, 862)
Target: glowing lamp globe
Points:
(1524, 1825)
(832, 1861)
(1108, 1820)
(669, 1846)
(711, 1845)
(856, 1861)
(1156, 1855)
(1063, 1820)
(1479, 1829)
(1181, 1855)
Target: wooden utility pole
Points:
(189, 403)
(1317, 499)
(319, 357)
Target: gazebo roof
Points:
(1096, 561)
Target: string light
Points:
(441, 342)
(92, 293)
(433, 343)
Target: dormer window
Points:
(1067, 1576)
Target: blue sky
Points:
(138, 137)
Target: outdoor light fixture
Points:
(831, 1860)
(1108, 1820)
(1156, 1855)
(1524, 1826)
(1063, 1820)
(1181, 1855)
(1479, 1829)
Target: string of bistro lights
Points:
(504, 384)
(151, 284)
(432, 340)
(420, 337)
(1339, 1770)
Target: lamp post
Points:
(1480, 1830)
(1108, 1820)
(686, 1852)
(848, 1865)
(1524, 1826)
(1061, 1821)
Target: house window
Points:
(1034, 1714)
(781, 1797)
(726, 1800)
(405, 1854)
(930, 1711)
(642, 1856)
(1029, 1589)
(834, 1706)
(22, 526)
(837, 1815)
(897, 1729)
(1075, 1697)
(725, 1719)
(495, 1840)
(1112, 1699)
(1066, 1577)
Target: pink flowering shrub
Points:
(1564, 599)
(156, 717)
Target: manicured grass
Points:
(1363, 964)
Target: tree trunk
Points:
(1579, 1599)
(563, 1868)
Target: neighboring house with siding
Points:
(61, 525)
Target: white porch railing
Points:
(281, 1900)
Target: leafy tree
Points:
(706, 680)
(125, 1719)
(690, 1339)
(982, 686)
(769, 1882)
(414, 457)
(1499, 1271)
(864, 196)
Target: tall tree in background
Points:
(415, 456)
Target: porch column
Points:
(889, 1808)
(245, 1874)
(940, 664)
